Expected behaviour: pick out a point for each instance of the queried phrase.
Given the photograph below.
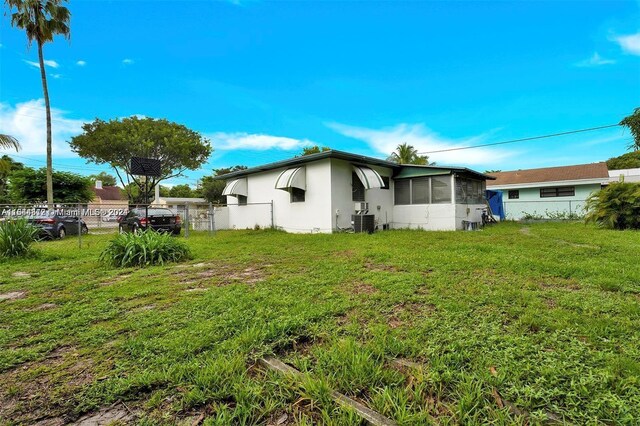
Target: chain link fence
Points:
(76, 220)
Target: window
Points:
(242, 200)
(385, 179)
(297, 195)
(565, 191)
(357, 188)
(514, 194)
(469, 191)
(423, 190)
(420, 190)
(402, 193)
(441, 189)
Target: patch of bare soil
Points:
(13, 295)
(120, 414)
(363, 288)
(224, 274)
(562, 283)
(349, 254)
(143, 308)
(525, 230)
(34, 393)
(401, 312)
(115, 280)
(20, 274)
(381, 267)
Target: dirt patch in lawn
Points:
(118, 414)
(363, 288)
(42, 391)
(561, 283)
(224, 274)
(20, 274)
(403, 313)
(13, 295)
(382, 267)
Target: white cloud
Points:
(423, 139)
(595, 60)
(56, 76)
(27, 122)
(81, 63)
(228, 141)
(630, 43)
(127, 61)
(47, 62)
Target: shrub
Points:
(615, 207)
(16, 237)
(144, 249)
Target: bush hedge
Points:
(143, 249)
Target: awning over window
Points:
(369, 177)
(292, 178)
(236, 187)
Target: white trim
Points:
(236, 187)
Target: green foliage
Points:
(615, 207)
(407, 154)
(16, 237)
(183, 191)
(41, 19)
(211, 189)
(630, 160)
(29, 185)
(632, 122)
(114, 142)
(105, 178)
(7, 166)
(144, 249)
(314, 150)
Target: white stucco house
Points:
(321, 193)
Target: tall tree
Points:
(314, 150)
(211, 188)
(105, 178)
(28, 185)
(633, 123)
(42, 20)
(115, 142)
(7, 141)
(407, 154)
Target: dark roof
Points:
(552, 174)
(108, 193)
(411, 170)
(356, 158)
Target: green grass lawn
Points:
(541, 320)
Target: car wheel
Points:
(62, 233)
(135, 229)
(84, 230)
(121, 230)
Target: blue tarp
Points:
(495, 202)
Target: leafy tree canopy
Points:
(29, 185)
(615, 207)
(105, 178)
(407, 154)
(114, 142)
(630, 160)
(632, 122)
(182, 191)
(314, 150)
(488, 172)
(7, 166)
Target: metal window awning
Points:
(236, 187)
(369, 177)
(292, 178)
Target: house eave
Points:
(594, 181)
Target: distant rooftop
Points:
(552, 174)
(109, 193)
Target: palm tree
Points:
(407, 154)
(633, 123)
(42, 20)
(7, 141)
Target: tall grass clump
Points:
(144, 249)
(616, 206)
(16, 237)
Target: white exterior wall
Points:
(432, 217)
(312, 215)
(469, 212)
(342, 195)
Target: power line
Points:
(590, 129)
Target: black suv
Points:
(159, 219)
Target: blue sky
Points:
(263, 79)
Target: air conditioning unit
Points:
(361, 208)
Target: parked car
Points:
(158, 219)
(57, 225)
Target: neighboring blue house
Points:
(549, 192)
